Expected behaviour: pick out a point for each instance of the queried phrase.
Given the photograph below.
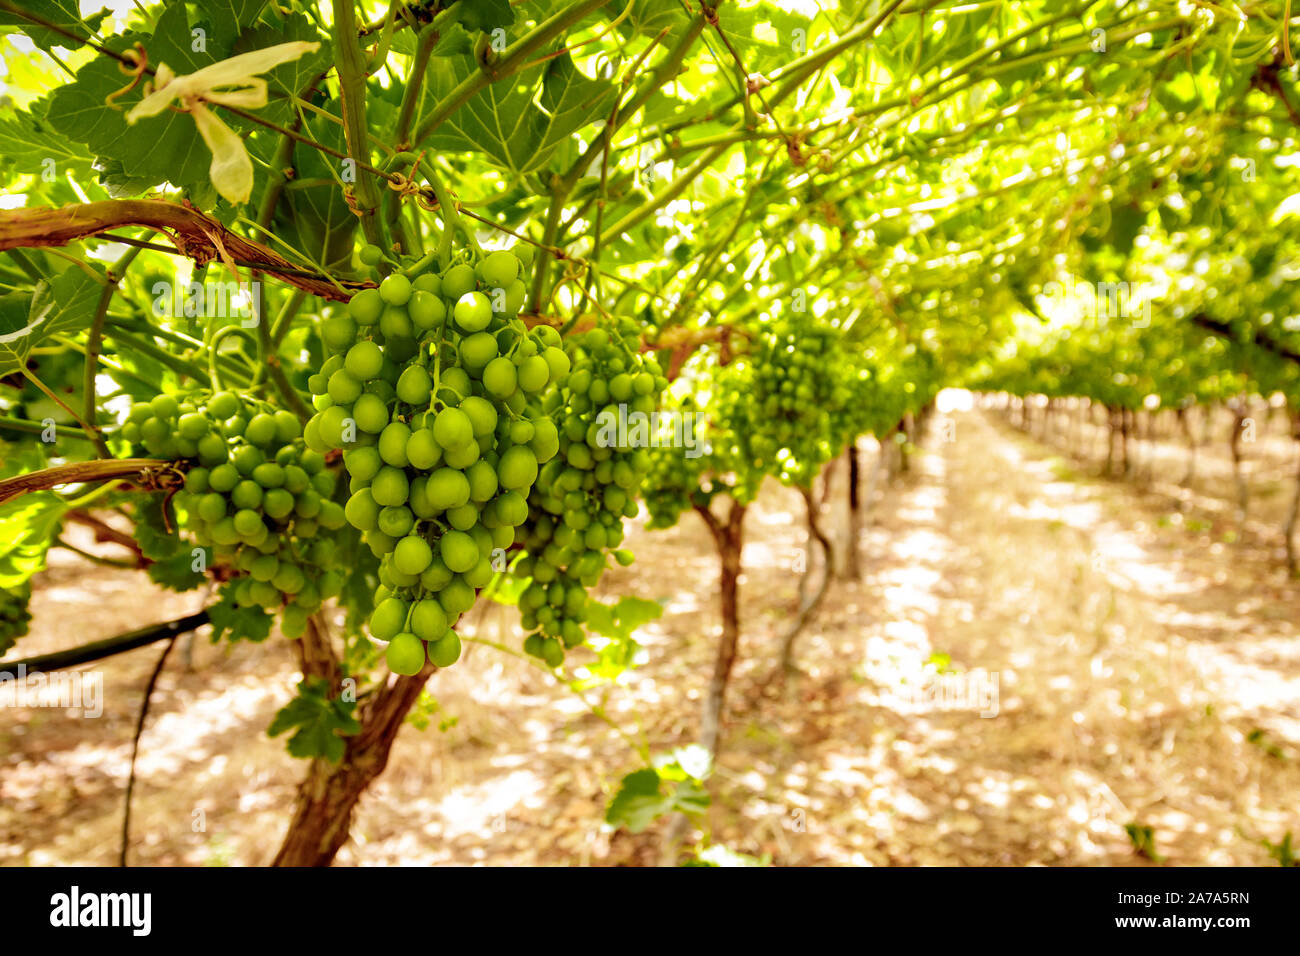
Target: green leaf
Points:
(484, 16)
(1125, 224)
(313, 214)
(31, 144)
(60, 13)
(173, 559)
(162, 148)
(229, 17)
(288, 79)
(621, 620)
(764, 34)
(28, 526)
(641, 799)
(648, 18)
(241, 623)
(113, 177)
(638, 802)
(321, 721)
(521, 122)
(63, 305)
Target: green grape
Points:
(395, 289)
(446, 650)
(405, 653)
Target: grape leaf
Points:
(648, 18)
(61, 13)
(67, 303)
(484, 16)
(641, 799)
(621, 620)
(162, 148)
(288, 79)
(321, 721)
(113, 177)
(241, 623)
(518, 123)
(313, 214)
(173, 559)
(28, 140)
(28, 526)
(229, 17)
(764, 35)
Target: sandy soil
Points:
(1146, 663)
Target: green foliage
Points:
(63, 304)
(812, 224)
(1143, 838)
(518, 125)
(1283, 851)
(319, 722)
(237, 622)
(652, 793)
(612, 630)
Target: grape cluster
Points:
(432, 392)
(253, 494)
(577, 506)
(14, 614)
(783, 404)
(673, 482)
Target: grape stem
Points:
(213, 344)
(451, 220)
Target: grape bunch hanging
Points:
(253, 494)
(433, 394)
(577, 506)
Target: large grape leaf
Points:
(288, 79)
(172, 558)
(62, 13)
(27, 528)
(313, 214)
(764, 35)
(648, 18)
(229, 17)
(242, 623)
(64, 304)
(519, 123)
(641, 798)
(162, 148)
(28, 140)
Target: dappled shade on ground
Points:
(1146, 672)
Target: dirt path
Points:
(1134, 662)
(1144, 672)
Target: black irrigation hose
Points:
(98, 650)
